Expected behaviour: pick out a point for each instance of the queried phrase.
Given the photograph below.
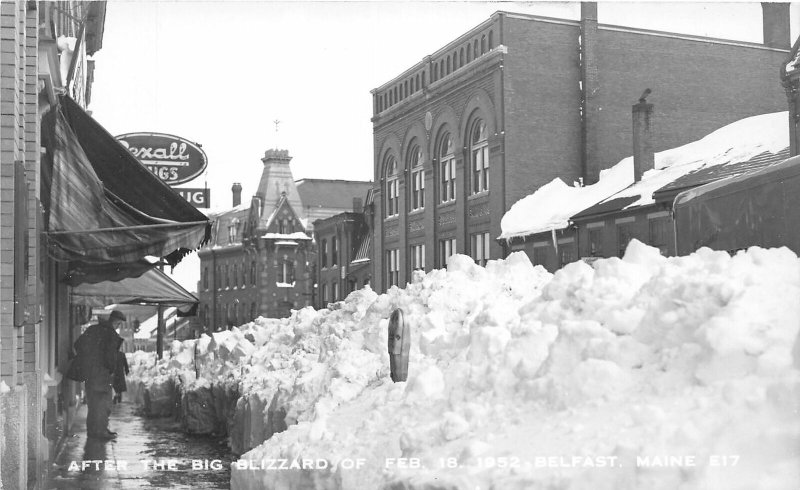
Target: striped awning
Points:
(103, 207)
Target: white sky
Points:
(219, 72)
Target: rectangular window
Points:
(227, 278)
(624, 235)
(566, 253)
(448, 180)
(324, 294)
(205, 278)
(540, 255)
(447, 247)
(392, 267)
(335, 293)
(418, 189)
(286, 272)
(324, 249)
(480, 169)
(392, 198)
(418, 257)
(253, 273)
(334, 251)
(660, 234)
(596, 242)
(479, 248)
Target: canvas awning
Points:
(104, 209)
(151, 288)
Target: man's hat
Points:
(116, 315)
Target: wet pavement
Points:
(147, 453)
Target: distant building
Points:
(343, 252)
(260, 261)
(520, 100)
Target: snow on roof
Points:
(551, 206)
(737, 142)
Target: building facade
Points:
(262, 259)
(341, 268)
(520, 100)
(36, 319)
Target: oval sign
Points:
(173, 159)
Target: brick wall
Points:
(12, 66)
(542, 106)
(698, 87)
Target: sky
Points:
(220, 73)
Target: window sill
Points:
(416, 211)
(478, 195)
(393, 217)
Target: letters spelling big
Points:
(172, 159)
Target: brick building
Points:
(261, 259)
(519, 100)
(343, 242)
(790, 77)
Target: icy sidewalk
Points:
(148, 453)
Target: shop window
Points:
(479, 157)
(624, 235)
(540, 254)
(596, 242)
(660, 234)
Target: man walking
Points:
(97, 350)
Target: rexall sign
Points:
(173, 159)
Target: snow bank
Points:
(640, 372)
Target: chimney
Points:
(358, 205)
(590, 93)
(776, 24)
(236, 189)
(643, 157)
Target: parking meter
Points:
(399, 346)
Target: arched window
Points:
(483, 44)
(286, 272)
(392, 187)
(423, 79)
(475, 49)
(417, 177)
(447, 169)
(491, 40)
(227, 277)
(461, 58)
(455, 60)
(435, 72)
(441, 68)
(449, 65)
(469, 54)
(253, 273)
(479, 157)
(244, 274)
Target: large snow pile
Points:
(641, 372)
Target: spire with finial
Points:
(277, 123)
